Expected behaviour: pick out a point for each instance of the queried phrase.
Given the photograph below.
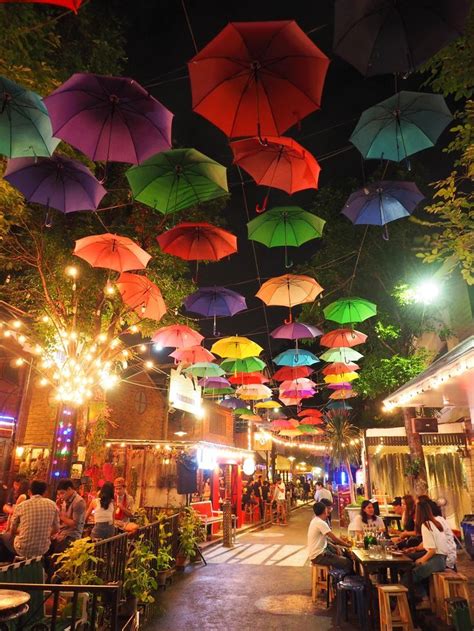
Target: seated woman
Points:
(367, 521)
(407, 537)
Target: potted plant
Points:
(140, 576)
(164, 559)
(191, 532)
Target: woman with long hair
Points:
(367, 521)
(102, 508)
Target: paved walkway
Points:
(262, 584)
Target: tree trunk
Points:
(350, 481)
(420, 484)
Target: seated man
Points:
(319, 532)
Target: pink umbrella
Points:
(296, 383)
(143, 296)
(340, 386)
(177, 336)
(301, 394)
(112, 252)
(192, 354)
(283, 424)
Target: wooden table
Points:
(13, 604)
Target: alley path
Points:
(263, 583)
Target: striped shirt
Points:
(34, 520)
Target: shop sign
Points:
(261, 442)
(184, 394)
(206, 458)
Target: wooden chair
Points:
(400, 616)
(319, 580)
(449, 585)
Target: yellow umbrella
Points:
(342, 378)
(253, 392)
(268, 405)
(251, 417)
(236, 347)
(290, 432)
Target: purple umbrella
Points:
(295, 331)
(215, 301)
(55, 182)
(109, 118)
(340, 386)
(214, 382)
(233, 403)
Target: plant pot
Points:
(129, 607)
(163, 576)
(180, 562)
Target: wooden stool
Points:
(267, 514)
(449, 585)
(435, 594)
(319, 580)
(398, 617)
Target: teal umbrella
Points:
(401, 126)
(341, 354)
(25, 126)
(177, 179)
(295, 357)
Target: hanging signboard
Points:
(185, 394)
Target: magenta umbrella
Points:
(340, 386)
(109, 118)
(296, 331)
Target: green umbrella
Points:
(308, 429)
(341, 354)
(219, 391)
(204, 369)
(249, 364)
(285, 226)
(25, 127)
(177, 179)
(350, 310)
(239, 411)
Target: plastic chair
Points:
(352, 589)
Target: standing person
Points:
(123, 502)
(279, 496)
(318, 534)
(72, 513)
(258, 490)
(322, 492)
(32, 525)
(102, 508)
(367, 521)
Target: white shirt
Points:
(323, 494)
(434, 539)
(280, 491)
(317, 541)
(452, 550)
(372, 524)
(103, 515)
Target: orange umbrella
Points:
(310, 412)
(198, 241)
(343, 337)
(312, 420)
(248, 378)
(343, 394)
(143, 296)
(289, 290)
(192, 354)
(112, 252)
(291, 433)
(339, 368)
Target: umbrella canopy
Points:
(177, 336)
(198, 241)
(232, 403)
(236, 347)
(56, 182)
(254, 392)
(289, 290)
(312, 420)
(296, 331)
(257, 78)
(401, 126)
(25, 126)
(215, 301)
(295, 357)
(291, 433)
(249, 378)
(253, 418)
(342, 378)
(243, 410)
(290, 400)
(342, 354)
(310, 412)
(249, 364)
(350, 310)
(340, 386)
(268, 405)
(306, 428)
(381, 202)
(381, 36)
(112, 252)
(296, 383)
(341, 395)
(109, 118)
(204, 369)
(218, 392)
(73, 5)
(339, 368)
(192, 354)
(281, 423)
(177, 179)
(141, 295)
(300, 393)
(343, 337)
(338, 405)
(277, 162)
(214, 383)
(292, 372)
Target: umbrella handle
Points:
(260, 209)
(290, 319)
(385, 235)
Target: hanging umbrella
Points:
(198, 241)
(177, 179)
(313, 420)
(341, 378)
(249, 378)
(292, 372)
(340, 386)
(109, 118)
(112, 252)
(243, 410)
(310, 412)
(401, 126)
(340, 395)
(291, 433)
(177, 336)
(295, 357)
(141, 295)
(381, 202)
(295, 331)
(55, 182)
(215, 301)
(73, 5)
(350, 310)
(232, 403)
(213, 383)
(236, 347)
(289, 290)
(339, 368)
(281, 423)
(204, 369)
(343, 337)
(218, 392)
(253, 393)
(285, 226)
(268, 405)
(277, 162)
(257, 78)
(249, 364)
(303, 393)
(310, 429)
(290, 401)
(382, 36)
(25, 126)
(338, 405)
(303, 381)
(192, 354)
(342, 354)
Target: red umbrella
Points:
(67, 4)
(248, 378)
(340, 368)
(143, 296)
(192, 354)
(258, 78)
(312, 420)
(112, 252)
(343, 337)
(292, 372)
(198, 241)
(177, 336)
(310, 412)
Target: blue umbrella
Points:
(401, 126)
(232, 403)
(338, 405)
(215, 301)
(295, 357)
